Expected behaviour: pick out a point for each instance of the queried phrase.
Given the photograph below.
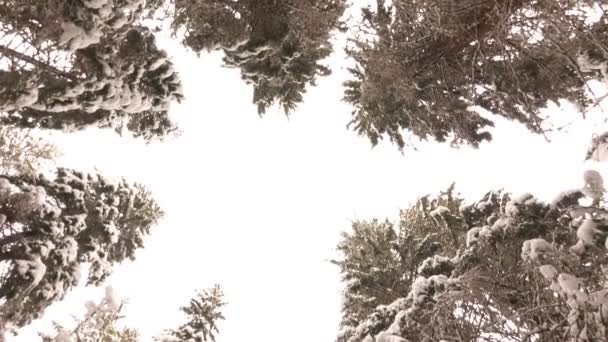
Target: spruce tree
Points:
(79, 64)
(425, 68)
(51, 227)
(527, 270)
(202, 316)
(277, 45)
(380, 260)
(22, 152)
(99, 324)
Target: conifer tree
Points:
(78, 64)
(380, 260)
(202, 316)
(425, 68)
(277, 45)
(22, 152)
(99, 324)
(527, 270)
(50, 227)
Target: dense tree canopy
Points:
(276, 44)
(526, 271)
(380, 260)
(69, 65)
(503, 267)
(50, 227)
(423, 67)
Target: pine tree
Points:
(380, 260)
(424, 68)
(51, 227)
(83, 64)
(277, 45)
(203, 314)
(99, 324)
(527, 270)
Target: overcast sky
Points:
(257, 204)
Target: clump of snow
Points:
(473, 236)
(531, 250)
(499, 227)
(63, 336)
(523, 198)
(464, 207)
(422, 290)
(513, 206)
(98, 16)
(578, 248)
(421, 287)
(121, 92)
(594, 185)
(434, 265)
(45, 248)
(111, 231)
(75, 37)
(593, 178)
(570, 284)
(111, 298)
(589, 234)
(548, 271)
(438, 212)
(384, 336)
(32, 270)
(95, 4)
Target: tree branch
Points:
(41, 65)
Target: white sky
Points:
(257, 204)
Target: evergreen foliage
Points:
(99, 324)
(424, 68)
(522, 270)
(22, 152)
(202, 316)
(380, 260)
(50, 227)
(277, 45)
(70, 65)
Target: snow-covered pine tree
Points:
(427, 74)
(380, 260)
(83, 64)
(277, 45)
(51, 227)
(528, 271)
(202, 316)
(99, 324)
